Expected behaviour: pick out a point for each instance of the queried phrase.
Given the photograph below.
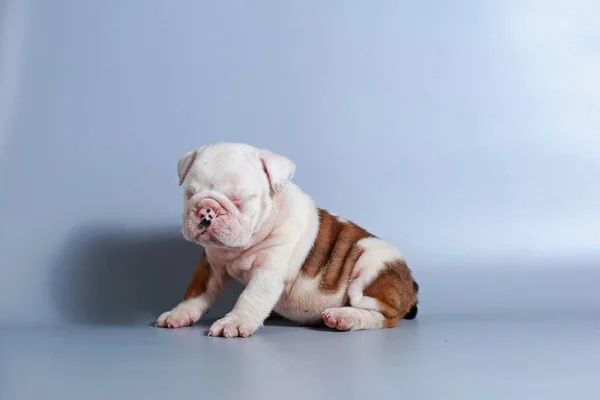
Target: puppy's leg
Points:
(350, 318)
(381, 293)
(203, 291)
(254, 304)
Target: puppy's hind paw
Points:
(339, 318)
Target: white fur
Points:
(352, 319)
(339, 218)
(264, 243)
(376, 253)
(190, 311)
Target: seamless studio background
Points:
(470, 128)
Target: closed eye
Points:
(238, 201)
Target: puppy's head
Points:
(229, 189)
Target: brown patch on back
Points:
(334, 251)
(396, 292)
(200, 279)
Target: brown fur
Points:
(395, 291)
(334, 255)
(334, 251)
(200, 279)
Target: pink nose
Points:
(207, 213)
(206, 217)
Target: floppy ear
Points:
(184, 164)
(278, 168)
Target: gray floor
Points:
(528, 331)
(429, 358)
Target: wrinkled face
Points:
(227, 194)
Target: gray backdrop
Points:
(466, 132)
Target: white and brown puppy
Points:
(294, 259)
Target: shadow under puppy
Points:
(293, 258)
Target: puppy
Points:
(293, 258)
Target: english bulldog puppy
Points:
(293, 258)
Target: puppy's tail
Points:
(414, 310)
(412, 314)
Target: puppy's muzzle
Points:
(206, 216)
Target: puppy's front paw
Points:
(233, 326)
(180, 316)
